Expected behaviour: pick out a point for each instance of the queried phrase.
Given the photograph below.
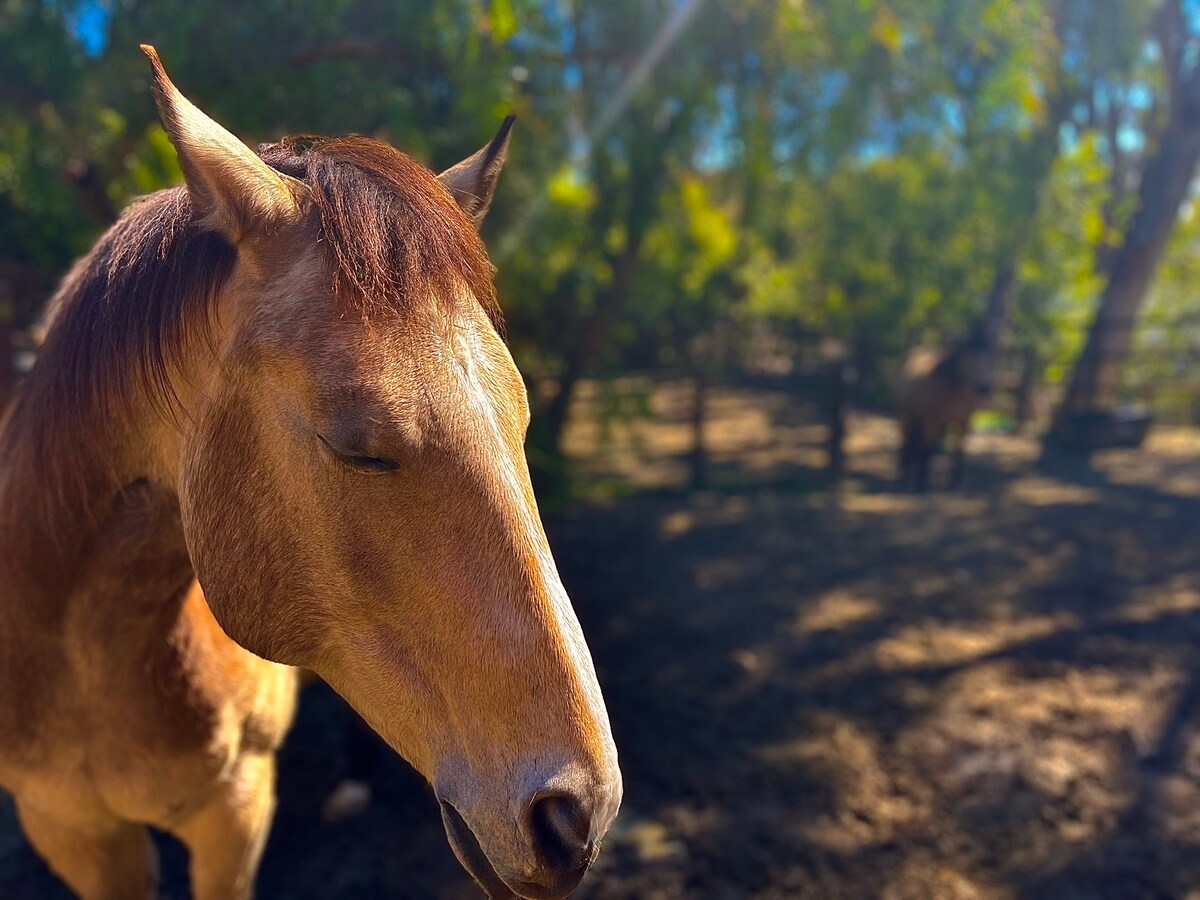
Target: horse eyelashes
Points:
(359, 461)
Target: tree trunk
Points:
(1166, 177)
(1036, 161)
(648, 166)
(1164, 185)
(1023, 411)
(698, 460)
(8, 373)
(560, 404)
(594, 331)
(995, 313)
(837, 400)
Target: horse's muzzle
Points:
(560, 830)
(466, 847)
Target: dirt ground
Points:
(986, 694)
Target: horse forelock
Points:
(389, 231)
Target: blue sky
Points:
(91, 26)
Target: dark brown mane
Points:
(389, 229)
(955, 356)
(949, 367)
(121, 318)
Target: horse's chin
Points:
(466, 847)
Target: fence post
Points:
(840, 378)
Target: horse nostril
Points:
(561, 830)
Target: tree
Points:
(684, 174)
(1166, 174)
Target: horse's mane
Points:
(949, 365)
(389, 233)
(956, 354)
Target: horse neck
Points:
(76, 502)
(959, 360)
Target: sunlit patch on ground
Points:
(835, 610)
(1050, 492)
(1181, 595)
(938, 644)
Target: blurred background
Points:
(722, 229)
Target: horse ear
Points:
(473, 181)
(235, 192)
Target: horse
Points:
(938, 392)
(274, 424)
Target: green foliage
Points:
(808, 167)
(1166, 362)
(1058, 281)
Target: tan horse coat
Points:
(287, 381)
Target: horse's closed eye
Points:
(356, 460)
(371, 463)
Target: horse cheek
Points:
(244, 545)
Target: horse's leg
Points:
(909, 449)
(922, 452)
(226, 836)
(958, 460)
(108, 860)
